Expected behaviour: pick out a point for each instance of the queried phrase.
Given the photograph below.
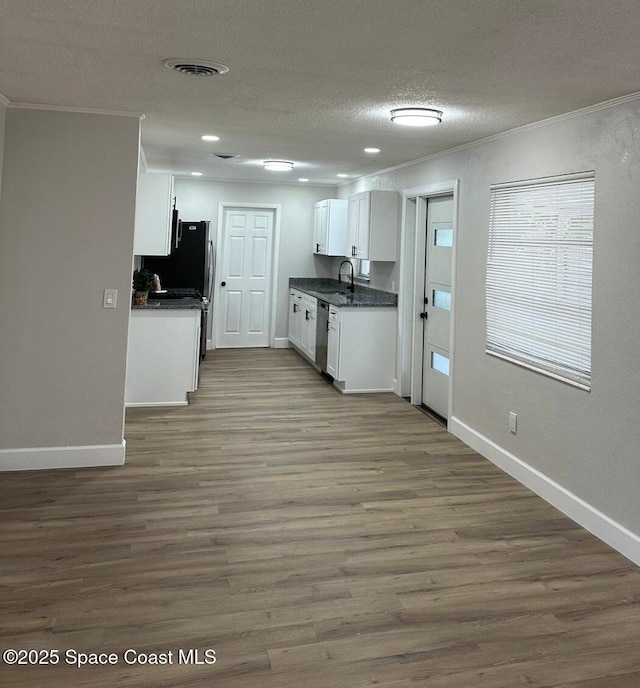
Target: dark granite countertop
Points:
(170, 304)
(338, 294)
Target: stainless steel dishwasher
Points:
(322, 333)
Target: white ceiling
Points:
(313, 81)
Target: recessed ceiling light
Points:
(278, 165)
(416, 117)
(342, 174)
(303, 179)
(210, 137)
(196, 174)
(372, 150)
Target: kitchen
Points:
(297, 210)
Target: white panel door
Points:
(244, 279)
(436, 308)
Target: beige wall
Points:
(66, 233)
(199, 200)
(3, 114)
(587, 442)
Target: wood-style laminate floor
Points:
(314, 541)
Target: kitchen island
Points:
(163, 353)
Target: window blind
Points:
(539, 270)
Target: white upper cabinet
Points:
(373, 225)
(330, 227)
(152, 234)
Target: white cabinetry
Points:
(152, 234)
(163, 356)
(330, 227)
(333, 342)
(361, 348)
(295, 320)
(302, 323)
(309, 322)
(373, 225)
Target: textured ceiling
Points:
(313, 81)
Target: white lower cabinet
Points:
(302, 323)
(163, 356)
(333, 342)
(361, 349)
(295, 321)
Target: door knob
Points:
(223, 284)
(424, 316)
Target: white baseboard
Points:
(360, 391)
(151, 404)
(39, 458)
(210, 345)
(602, 526)
(281, 343)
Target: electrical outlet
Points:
(513, 422)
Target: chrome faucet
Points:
(351, 286)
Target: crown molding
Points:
(4, 101)
(81, 110)
(614, 102)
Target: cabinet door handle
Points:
(317, 248)
(295, 307)
(306, 315)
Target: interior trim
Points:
(4, 101)
(69, 108)
(281, 343)
(40, 458)
(595, 521)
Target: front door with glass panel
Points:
(436, 308)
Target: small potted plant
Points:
(142, 281)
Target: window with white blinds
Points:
(539, 275)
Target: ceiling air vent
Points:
(196, 67)
(225, 156)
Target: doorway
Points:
(244, 289)
(426, 305)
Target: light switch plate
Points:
(110, 298)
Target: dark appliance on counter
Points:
(189, 268)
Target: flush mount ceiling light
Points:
(196, 67)
(303, 179)
(278, 165)
(372, 150)
(416, 117)
(210, 137)
(342, 174)
(196, 174)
